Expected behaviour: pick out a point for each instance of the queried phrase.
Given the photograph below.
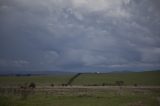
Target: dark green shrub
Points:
(135, 85)
(119, 83)
(32, 85)
(52, 85)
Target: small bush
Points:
(135, 85)
(95, 85)
(119, 83)
(104, 84)
(32, 85)
(64, 84)
(52, 85)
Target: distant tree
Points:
(135, 85)
(103, 84)
(119, 83)
(52, 85)
(32, 85)
(95, 85)
(64, 84)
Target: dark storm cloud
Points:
(78, 35)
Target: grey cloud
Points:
(75, 35)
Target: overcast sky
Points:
(79, 35)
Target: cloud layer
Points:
(79, 35)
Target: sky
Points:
(79, 35)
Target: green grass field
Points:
(39, 80)
(89, 91)
(84, 97)
(140, 78)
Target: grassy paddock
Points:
(39, 80)
(147, 93)
(139, 78)
(83, 97)
(132, 78)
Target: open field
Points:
(139, 78)
(39, 80)
(81, 96)
(86, 90)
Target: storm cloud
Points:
(79, 35)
